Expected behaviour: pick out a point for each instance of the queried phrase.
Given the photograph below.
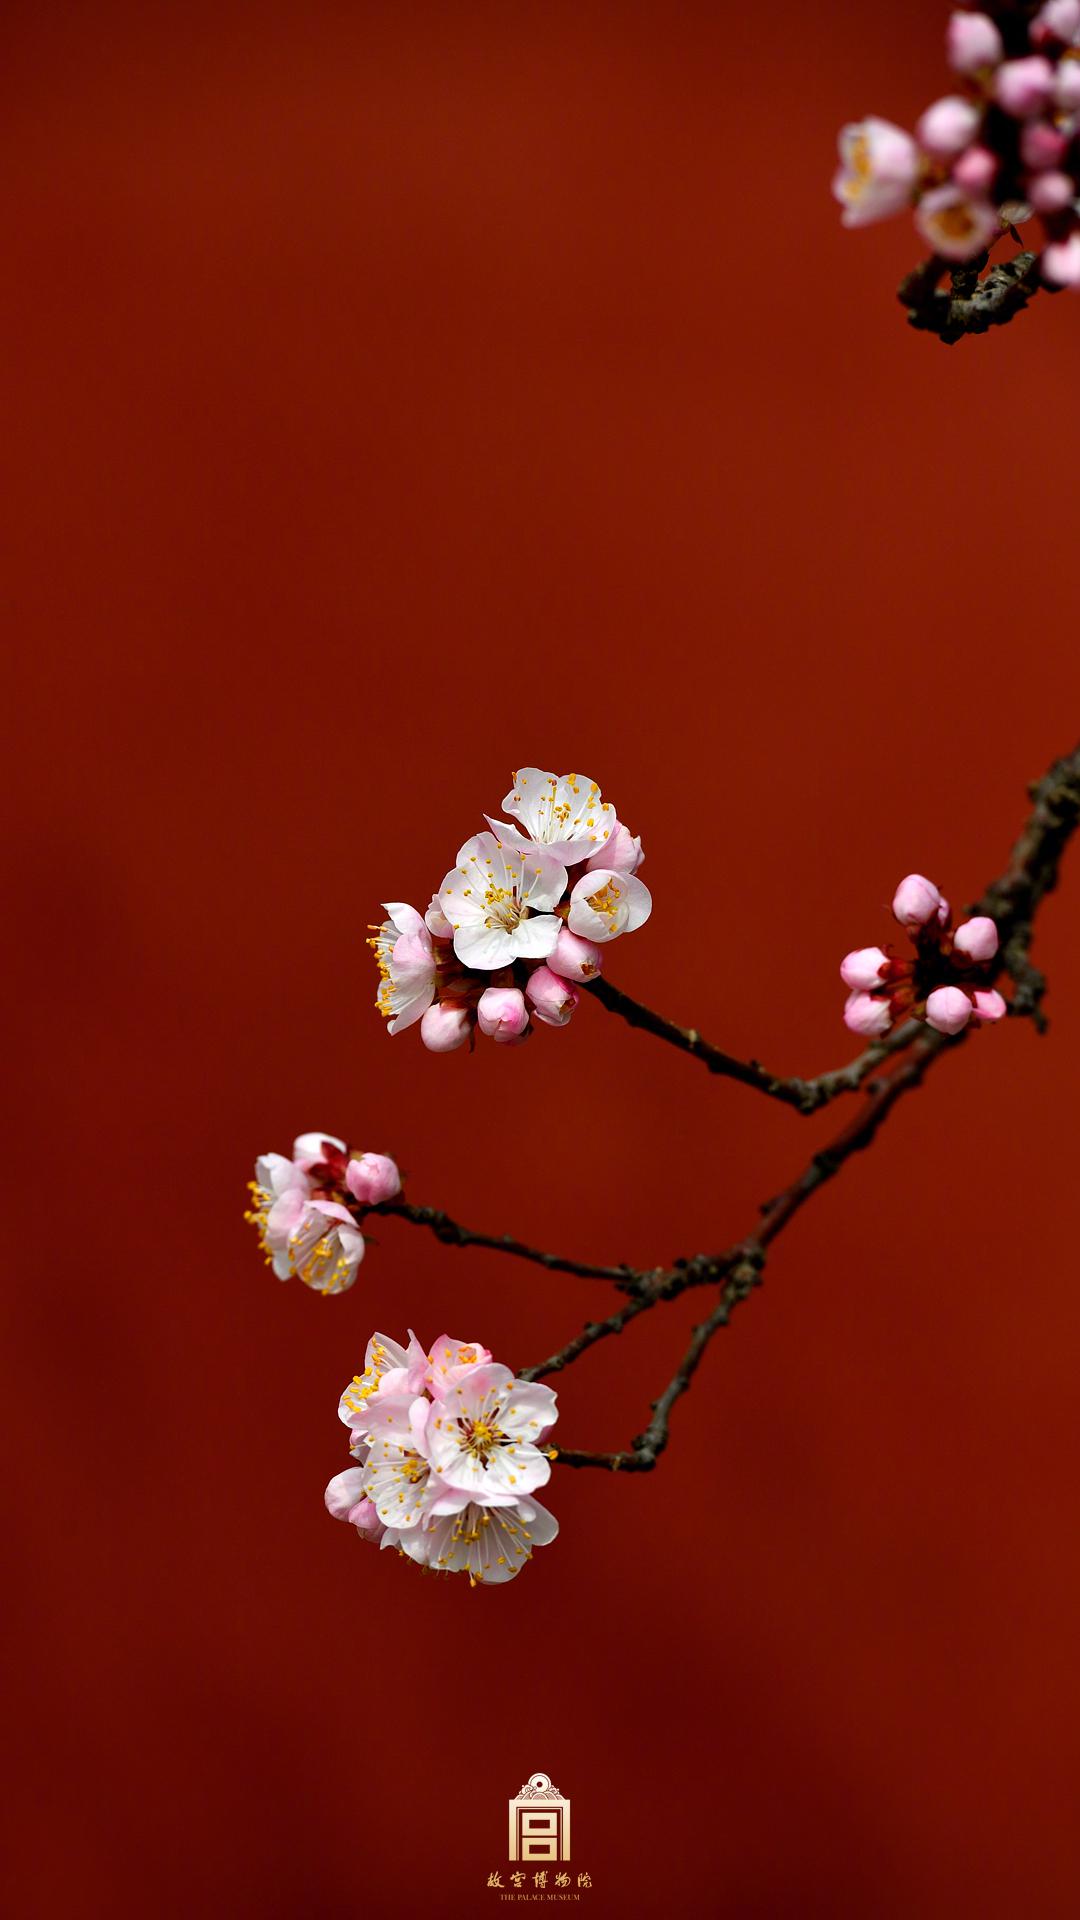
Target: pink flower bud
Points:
(948, 1009)
(445, 1026)
(552, 999)
(977, 939)
(972, 41)
(989, 1005)
(1067, 86)
(436, 921)
(1057, 20)
(501, 1013)
(1051, 192)
(621, 851)
(948, 126)
(573, 957)
(955, 224)
(1041, 145)
(1061, 262)
(863, 968)
(865, 1014)
(1024, 87)
(976, 171)
(373, 1178)
(917, 900)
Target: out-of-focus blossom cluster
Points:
(1004, 145)
(300, 1207)
(519, 921)
(449, 1449)
(946, 983)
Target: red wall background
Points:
(394, 395)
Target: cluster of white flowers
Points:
(449, 1450)
(519, 921)
(300, 1207)
(1004, 146)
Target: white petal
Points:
(484, 948)
(533, 939)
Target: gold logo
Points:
(539, 1822)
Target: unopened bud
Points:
(501, 1013)
(948, 1009)
(551, 997)
(445, 1026)
(977, 939)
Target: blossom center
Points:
(504, 909)
(604, 901)
(956, 223)
(859, 163)
(323, 1264)
(480, 1438)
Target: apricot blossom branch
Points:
(1011, 901)
(449, 1447)
(995, 153)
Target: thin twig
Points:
(593, 1331)
(805, 1096)
(453, 1234)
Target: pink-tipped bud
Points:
(917, 901)
(977, 939)
(445, 1026)
(976, 171)
(436, 921)
(373, 1178)
(501, 1013)
(620, 852)
(989, 1004)
(574, 958)
(865, 1014)
(1041, 145)
(1051, 192)
(972, 41)
(947, 127)
(552, 998)
(1057, 20)
(1067, 86)
(1024, 87)
(948, 1009)
(1061, 262)
(864, 968)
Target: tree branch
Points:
(1012, 900)
(805, 1096)
(904, 1058)
(453, 1234)
(972, 305)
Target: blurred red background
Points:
(394, 396)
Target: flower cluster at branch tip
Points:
(304, 1208)
(947, 982)
(518, 923)
(449, 1451)
(1004, 146)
